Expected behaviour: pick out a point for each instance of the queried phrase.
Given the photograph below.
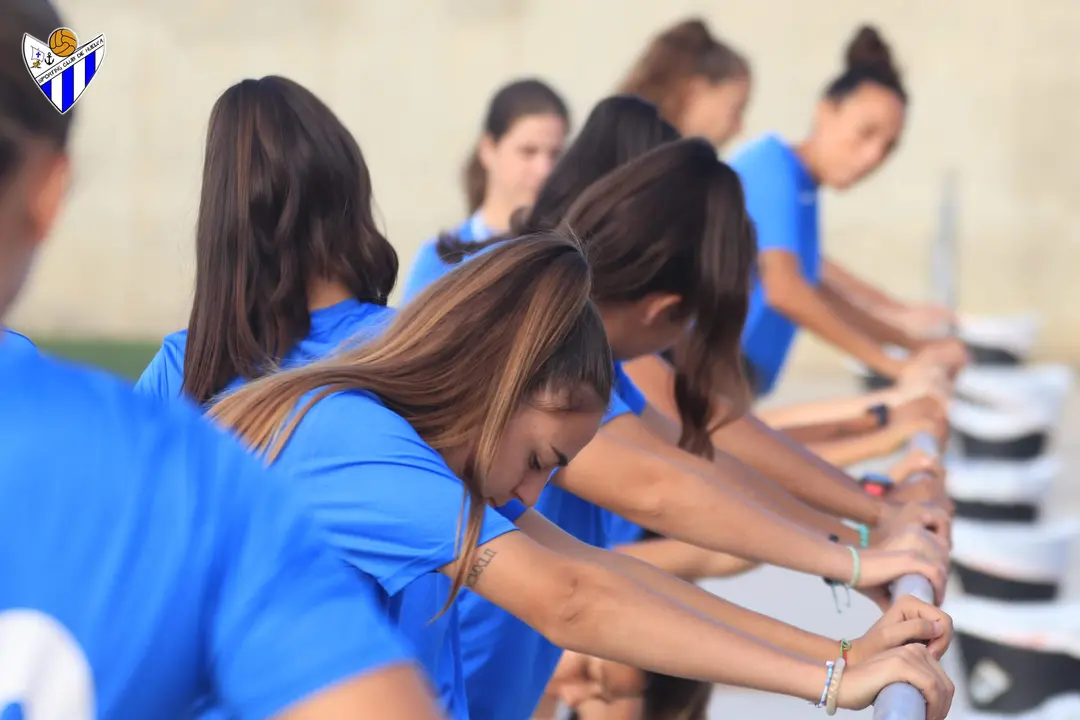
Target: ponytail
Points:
(474, 181)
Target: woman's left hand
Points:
(909, 620)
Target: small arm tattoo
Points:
(478, 567)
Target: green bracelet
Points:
(863, 530)
(856, 571)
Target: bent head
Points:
(671, 247)
(34, 167)
(860, 119)
(502, 366)
(524, 134)
(700, 84)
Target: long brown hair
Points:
(674, 57)
(511, 103)
(440, 366)
(674, 220)
(286, 200)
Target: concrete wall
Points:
(995, 85)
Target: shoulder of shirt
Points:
(175, 345)
(359, 422)
(93, 398)
(768, 148)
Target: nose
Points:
(531, 487)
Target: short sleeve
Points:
(164, 376)
(772, 191)
(290, 617)
(16, 343)
(389, 501)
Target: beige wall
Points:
(995, 85)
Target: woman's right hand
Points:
(880, 567)
(918, 408)
(898, 520)
(935, 386)
(924, 368)
(912, 664)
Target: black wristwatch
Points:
(881, 414)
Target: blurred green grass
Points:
(123, 357)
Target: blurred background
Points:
(993, 84)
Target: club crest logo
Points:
(61, 67)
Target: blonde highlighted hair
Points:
(514, 325)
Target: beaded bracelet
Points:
(832, 693)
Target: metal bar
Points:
(901, 701)
(943, 256)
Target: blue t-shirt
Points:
(391, 507)
(507, 663)
(149, 560)
(782, 199)
(427, 266)
(331, 329)
(14, 342)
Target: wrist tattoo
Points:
(478, 567)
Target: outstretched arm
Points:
(638, 475)
(788, 292)
(587, 607)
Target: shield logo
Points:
(62, 68)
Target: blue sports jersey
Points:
(151, 560)
(435, 644)
(16, 342)
(391, 507)
(331, 329)
(507, 663)
(782, 199)
(427, 266)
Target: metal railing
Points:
(901, 701)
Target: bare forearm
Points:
(761, 487)
(854, 287)
(825, 432)
(799, 471)
(803, 305)
(701, 511)
(838, 410)
(849, 451)
(760, 626)
(865, 318)
(624, 621)
(545, 577)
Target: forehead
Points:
(873, 103)
(545, 129)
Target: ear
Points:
(47, 195)
(657, 306)
(485, 150)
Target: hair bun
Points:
(868, 50)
